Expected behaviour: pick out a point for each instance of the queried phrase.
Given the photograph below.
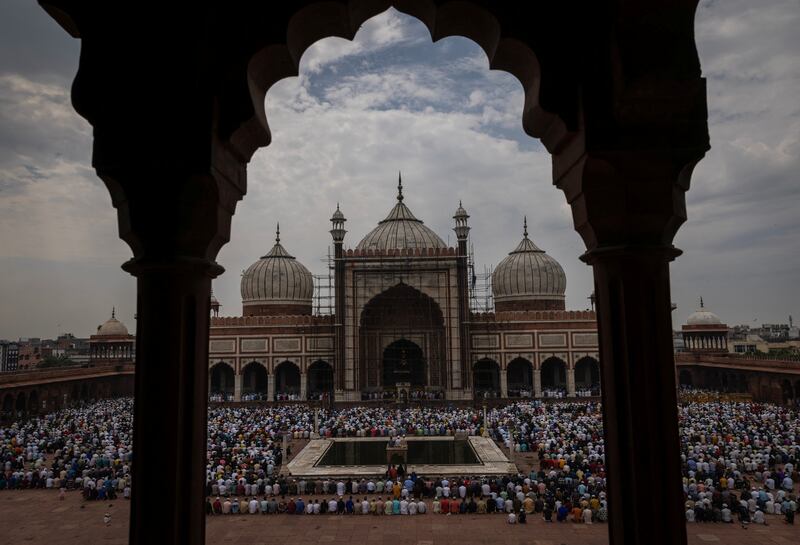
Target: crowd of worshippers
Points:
(558, 496)
(741, 448)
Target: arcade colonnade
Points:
(553, 377)
(257, 380)
(613, 90)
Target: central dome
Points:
(400, 230)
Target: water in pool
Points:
(373, 453)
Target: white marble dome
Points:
(277, 278)
(112, 327)
(528, 274)
(400, 230)
(703, 317)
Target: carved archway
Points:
(486, 378)
(320, 380)
(554, 375)
(407, 316)
(33, 402)
(254, 381)
(629, 124)
(21, 405)
(587, 375)
(520, 378)
(287, 379)
(8, 405)
(403, 361)
(222, 380)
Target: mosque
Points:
(402, 325)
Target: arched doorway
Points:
(786, 391)
(320, 380)
(287, 381)
(415, 321)
(520, 378)
(685, 378)
(33, 402)
(554, 377)
(8, 406)
(222, 382)
(403, 361)
(587, 377)
(486, 378)
(254, 382)
(84, 392)
(21, 404)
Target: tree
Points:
(55, 361)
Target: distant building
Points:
(9, 356)
(111, 343)
(705, 332)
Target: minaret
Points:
(337, 233)
(462, 233)
(214, 304)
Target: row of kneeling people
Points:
(365, 506)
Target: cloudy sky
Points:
(391, 100)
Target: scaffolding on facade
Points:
(480, 285)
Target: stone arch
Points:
(787, 395)
(486, 378)
(84, 395)
(75, 393)
(587, 375)
(519, 376)
(554, 375)
(8, 405)
(412, 321)
(320, 380)
(254, 381)
(645, 100)
(33, 402)
(685, 378)
(287, 380)
(326, 19)
(221, 382)
(21, 405)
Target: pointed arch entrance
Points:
(520, 378)
(587, 376)
(554, 377)
(222, 382)
(403, 361)
(402, 320)
(287, 381)
(320, 380)
(486, 378)
(254, 382)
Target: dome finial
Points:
(113, 311)
(701, 301)
(525, 226)
(278, 234)
(399, 186)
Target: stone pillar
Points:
(237, 387)
(175, 219)
(303, 385)
(570, 381)
(271, 387)
(503, 383)
(537, 382)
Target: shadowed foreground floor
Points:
(38, 516)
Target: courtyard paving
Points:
(37, 516)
